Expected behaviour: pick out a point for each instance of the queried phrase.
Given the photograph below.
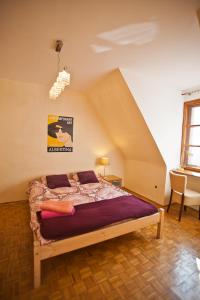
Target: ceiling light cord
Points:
(58, 63)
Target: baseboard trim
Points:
(13, 202)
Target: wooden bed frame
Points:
(66, 245)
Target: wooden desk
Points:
(186, 172)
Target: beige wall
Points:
(24, 111)
(147, 179)
(144, 165)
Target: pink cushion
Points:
(61, 206)
(46, 214)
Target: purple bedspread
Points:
(91, 216)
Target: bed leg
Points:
(37, 264)
(160, 224)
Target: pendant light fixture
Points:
(63, 78)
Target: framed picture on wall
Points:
(60, 134)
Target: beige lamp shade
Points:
(104, 161)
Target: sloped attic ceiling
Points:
(99, 36)
(122, 118)
(116, 107)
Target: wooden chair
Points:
(181, 194)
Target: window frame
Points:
(186, 134)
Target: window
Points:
(190, 152)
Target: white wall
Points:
(161, 106)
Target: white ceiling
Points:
(99, 36)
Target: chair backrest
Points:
(178, 182)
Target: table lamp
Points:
(104, 161)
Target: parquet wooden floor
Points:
(134, 266)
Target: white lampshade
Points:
(61, 82)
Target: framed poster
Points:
(60, 134)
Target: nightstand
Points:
(117, 181)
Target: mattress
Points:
(92, 216)
(82, 197)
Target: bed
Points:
(117, 213)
